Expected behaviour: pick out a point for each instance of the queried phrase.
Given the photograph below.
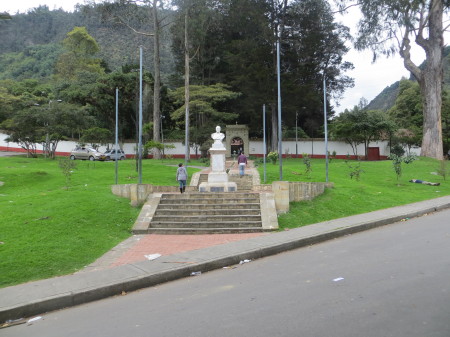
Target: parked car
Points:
(112, 155)
(86, 153)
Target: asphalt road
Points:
(389, 281)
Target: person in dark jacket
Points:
(242, 162)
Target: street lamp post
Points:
(117, 138)
(280, 136)
(296, 138)
(264, 143)
(140, 118)
(325, 125)
(162, 134)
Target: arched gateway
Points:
(237, 139)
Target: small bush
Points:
(67, 166)
(273, 157)
(398, 160)
(307, 161)
(355, 169)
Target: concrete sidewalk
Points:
(46, 295)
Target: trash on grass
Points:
(196, 273)
(152, 256)
(245, 261)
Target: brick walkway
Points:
(171, 244)
(136, 247)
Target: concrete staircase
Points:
(201, 213)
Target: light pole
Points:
(325, 125)
(140, 118)
(117, 138)
(264, 136)
(296, 138)
(162, 134)
(280, 136)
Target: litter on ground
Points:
(245, 261)
(152, 256)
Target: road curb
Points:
(42, 296)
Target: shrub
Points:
(67, 166)
(273, 157)
(307, 161)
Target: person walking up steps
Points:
(242, 161)
(182, 177)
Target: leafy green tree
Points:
(25, 128)
(7, 103)
(80, 56)
(313, 45)
(208, 108)
(96, 136)
(61, 121)
(360, 126)
(389, 26)
(407, 110)
(205, 102)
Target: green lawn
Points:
(48, 230)
(377, 188)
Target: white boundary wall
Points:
(313, 147)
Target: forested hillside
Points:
(31, 42)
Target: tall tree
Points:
(80, 56)
(389, 26)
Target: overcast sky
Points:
(370, 79)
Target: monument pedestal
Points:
(218, 178)
(218, 187)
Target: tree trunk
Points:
(430, 80)
(157, 84)
(431, 86)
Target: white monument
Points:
(218, 177)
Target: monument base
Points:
(218, 187)
(217, 177)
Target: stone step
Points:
(208, 195)
(197, 224)
(200, 231)
(212, 219)
(211, 206)
(209, 201)
(189, 211)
